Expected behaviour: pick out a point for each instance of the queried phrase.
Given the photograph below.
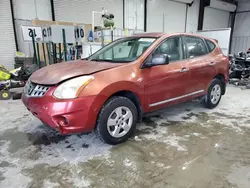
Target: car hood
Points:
(56, 73)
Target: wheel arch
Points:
(221, 77)
(133, 97)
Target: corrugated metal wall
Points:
(215, 19)
(134, 14)
(166, 16)
(241, 36)
(7, 39)
(240, 43)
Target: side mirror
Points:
(158, 59)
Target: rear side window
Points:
(194, 47)
(211, 45)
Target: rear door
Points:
(201, 63)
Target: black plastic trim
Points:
(13, 22)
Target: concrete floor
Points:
(185, 146)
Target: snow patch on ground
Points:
(196, 134)
(80, 148)
(239, 176)
(11, 172)
(74, 149)
(77, 181)
(160, 165)
(186, 165)
(49, 184)
(232, 113)
(160, 134)
(41, 146)
(173, 140)
(130, 164)
(14, 177)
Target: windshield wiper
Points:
(86, 58)
(98, 60)
(94, 60)
(109, 60)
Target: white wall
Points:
(24, 12)
(81, 10)
(241, 35)
(215, 19)
(25, 47)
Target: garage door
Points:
(215, 18)
(7, 44)
(166, 16)
(134, 14)
(80, 11)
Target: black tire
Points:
(107, 109)
(5, 95)
(208, 98)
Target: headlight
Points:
(72, 88)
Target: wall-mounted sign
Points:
(79, 34)
(46, 31)
(57, 35)
(27, 33)
(54, 33)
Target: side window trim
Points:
(185, 46)
(180, 41)
(176, 36)
(182, 48)
(204, 41)
(207, 43)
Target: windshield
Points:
(123, 50)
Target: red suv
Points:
(113, 88)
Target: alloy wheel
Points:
(215, 94)
(120, 121)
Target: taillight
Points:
(227, 68)
(227, 59)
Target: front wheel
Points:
(214, 94)
(117, 120)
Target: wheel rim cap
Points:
(215, 94)
(120, 122)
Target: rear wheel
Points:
(214, 94)
(117, 120)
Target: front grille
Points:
(35, 90)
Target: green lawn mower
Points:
(15, 78)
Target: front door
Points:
(167, 84)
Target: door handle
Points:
(212, 64)
(184, 69)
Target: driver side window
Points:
(172, 47)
